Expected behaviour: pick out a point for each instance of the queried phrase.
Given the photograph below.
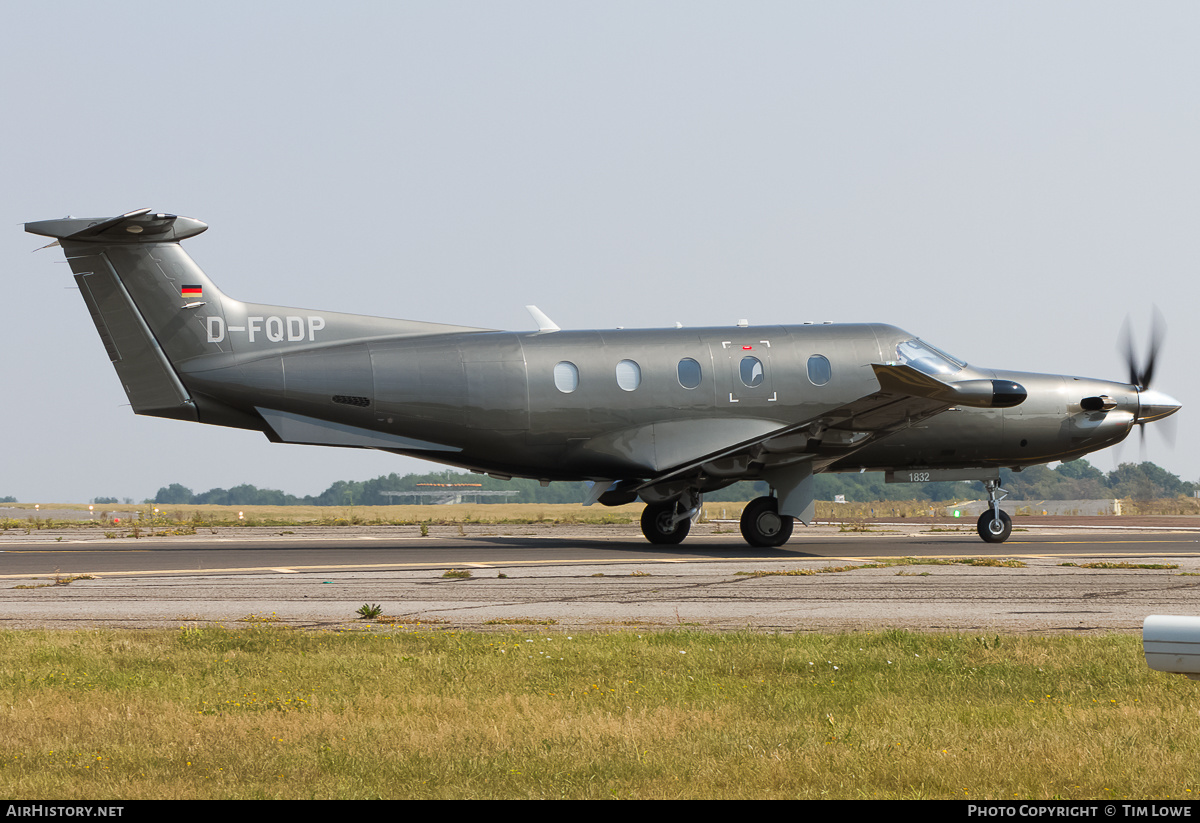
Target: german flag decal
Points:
(191, 291)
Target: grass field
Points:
(267, 712)
(333, 515)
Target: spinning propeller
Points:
(1140, 376)
(1152, 405)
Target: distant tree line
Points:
(1080, 480)
(1077, 480)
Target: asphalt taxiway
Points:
(570, 577)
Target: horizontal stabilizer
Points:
(139, 226)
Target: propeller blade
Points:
(1169, 427)
(1158, 329)
(1125, 347)
(1141, 374)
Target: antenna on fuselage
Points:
(539, 317)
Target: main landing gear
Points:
(994, 525)
(663, 524)
(762, 524)
(667, 524)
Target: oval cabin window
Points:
(629, 375)
(689, 373)
(819, 370)
(752, 371)
(566, 377)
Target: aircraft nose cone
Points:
(1155, 405)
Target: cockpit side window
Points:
(926, 358)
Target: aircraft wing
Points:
(905, 398)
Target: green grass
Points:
(1107, 564)
(186, 519)
(269, 712)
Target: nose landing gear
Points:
(994, 525)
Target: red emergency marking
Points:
(747, 348)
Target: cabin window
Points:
(629, 375)
(752, 371)
(689, 373)
(566, 377)
(819, 370)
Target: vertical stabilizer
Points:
(177, 342)
(144, 294)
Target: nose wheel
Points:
(994, 529)
(994, 525)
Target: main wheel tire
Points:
(992, 531)
(656, 524)
(762, 524)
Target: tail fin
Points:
(135, 279)
(163, 321)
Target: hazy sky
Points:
(1007, 180)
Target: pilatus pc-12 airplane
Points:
(663, 415)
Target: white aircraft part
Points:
(598, 488)
(1172, 644)
(539, 317)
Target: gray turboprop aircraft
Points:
(663, 415)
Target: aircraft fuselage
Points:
(494, 399)
(663, 415)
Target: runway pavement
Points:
(573, 578)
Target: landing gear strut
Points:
(994, 526)
(762, 524)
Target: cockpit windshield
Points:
(926, 358)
